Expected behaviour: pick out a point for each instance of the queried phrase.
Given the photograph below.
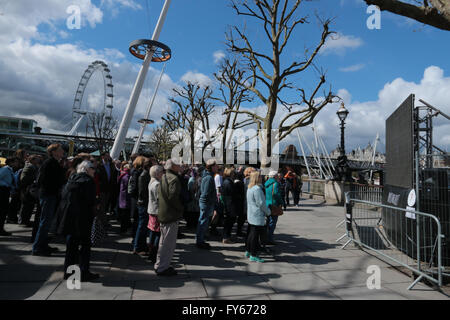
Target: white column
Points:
(135, 93)
(147, 115)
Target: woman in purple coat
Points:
(124, 198)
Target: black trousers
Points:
(26, 209)
(14, 206)
(254, 239)
(78, 252)
(124, 219)
(134, 213)
(228, 225)
(296, 196)
(4, 205)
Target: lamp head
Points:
(342, 112)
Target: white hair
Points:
(155, 170)
(170, 163)
(84, 166)
(273, 174)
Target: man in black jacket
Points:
(140, 244)
(51, 179)
(108, 184)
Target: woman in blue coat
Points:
(257, 211)
(273, 198)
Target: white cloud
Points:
(39, 81)
(198, 78)
(21, 19)
(368, 118)
(339, 43)
(218, 56)
(353, 68)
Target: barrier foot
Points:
(346, 244)
(415, 282)
(341, 238)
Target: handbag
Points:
(275, 210)
(98, 233)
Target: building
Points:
(359, 154)
(16, 125)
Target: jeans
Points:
(272, 225)
(140, 243)
(76, 255)
(153, 239)
(48, 209)
(203, 222)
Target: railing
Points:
(407, 238)
(314, 186)
(372, 193)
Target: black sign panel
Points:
(399, 146)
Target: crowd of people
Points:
(78, 197)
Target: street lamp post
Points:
(342, 114)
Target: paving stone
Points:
(249, 285)
(304, 295)
(276, 267)
(169, 288)
(315, 263)
(98, 290)
(296, 282)
(364, 293)
(418, 292)
(241, 298)
(208, 271)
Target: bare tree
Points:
(232, 94)
(192, 115)
(161, 142)
(103, 128)
(435, 13)
(269, 72)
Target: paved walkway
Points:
(307, 263)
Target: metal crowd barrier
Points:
(410, 239)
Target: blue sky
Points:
(373, 70)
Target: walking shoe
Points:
(227, 241)
(88, 276)
(256, 259)
(52, 249)
(247, 254)
(168, 272)
(140, 253)
(204, 245)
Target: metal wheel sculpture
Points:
(161, 52)
(78, 110)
